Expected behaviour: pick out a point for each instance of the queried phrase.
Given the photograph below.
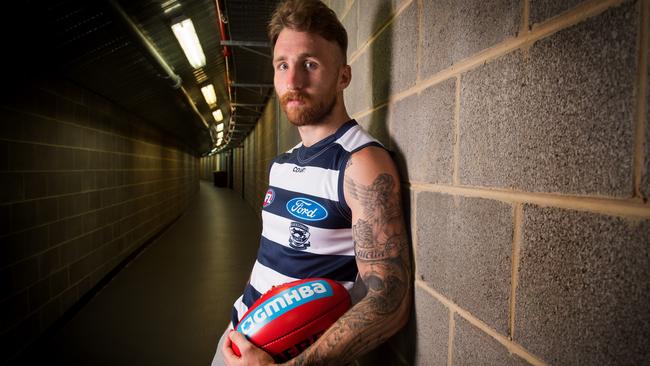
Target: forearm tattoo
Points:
(381, 249)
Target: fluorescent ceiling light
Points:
(218, 116)
(186, 35)
(220, 127)
(220, 135)
(209, 95)
(171, 8)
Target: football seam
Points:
(304, 325)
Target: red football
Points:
(289, 318)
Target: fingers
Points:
(239, 341)
(238, 350)
(226, 348)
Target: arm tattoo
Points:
(381, 250)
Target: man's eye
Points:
(309, 65)
(282, 67)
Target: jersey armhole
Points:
(343, 205)
(344, 209)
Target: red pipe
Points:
(222, 28)
(226, 56)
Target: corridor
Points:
(169, 305)
(520, 130)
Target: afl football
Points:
(290, 317)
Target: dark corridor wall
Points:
(84, 184)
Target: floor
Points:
(170, 305)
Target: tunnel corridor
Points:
(519, 129)
(170, 304)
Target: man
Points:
(357, 229)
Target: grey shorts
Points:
(217, 360)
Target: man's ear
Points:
(345, 76)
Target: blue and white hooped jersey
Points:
(306, 221)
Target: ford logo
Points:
(306, 209)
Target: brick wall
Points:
(520, 130)
(209, 164)
(238, 169)
(84, 185)
(252, 159)
(519, 127)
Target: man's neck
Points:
(311, 134)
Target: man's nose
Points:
(295, 79)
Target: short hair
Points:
(308, 16)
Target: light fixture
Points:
(218, 116)
(170, 5)
(209, 94)
(219, 141)
(220, 127)
(220, 135)
(186, 35)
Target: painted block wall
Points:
(520, 131)
(209, 164)
(272, 135)
(84, 185)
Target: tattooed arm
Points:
(381, 247)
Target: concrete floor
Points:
(170, 305)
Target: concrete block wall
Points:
(272, 135)
(520, 130)
(238, 169)
(84, 185)
(209, 164)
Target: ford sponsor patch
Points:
(306, 209)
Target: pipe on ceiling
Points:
(226, 55)
(158, 60)
(144, 42)
(224, 38)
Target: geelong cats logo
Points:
(299, 236)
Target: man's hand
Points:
(250, 354)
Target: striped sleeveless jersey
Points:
(306, 221)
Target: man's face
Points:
(308, 76)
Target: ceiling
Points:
(110, 47)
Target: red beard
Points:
(308, 113)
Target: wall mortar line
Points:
(456, 168)
(347, 10)
(414, 233)
(369, 111)
(102, 131)
(642, 85)
(362, 48)
(452, 334)
(511, 346)
(546, 29)
(524, 27)
(418, 49)
(609, 206)
(87, 149)
(516, 250)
